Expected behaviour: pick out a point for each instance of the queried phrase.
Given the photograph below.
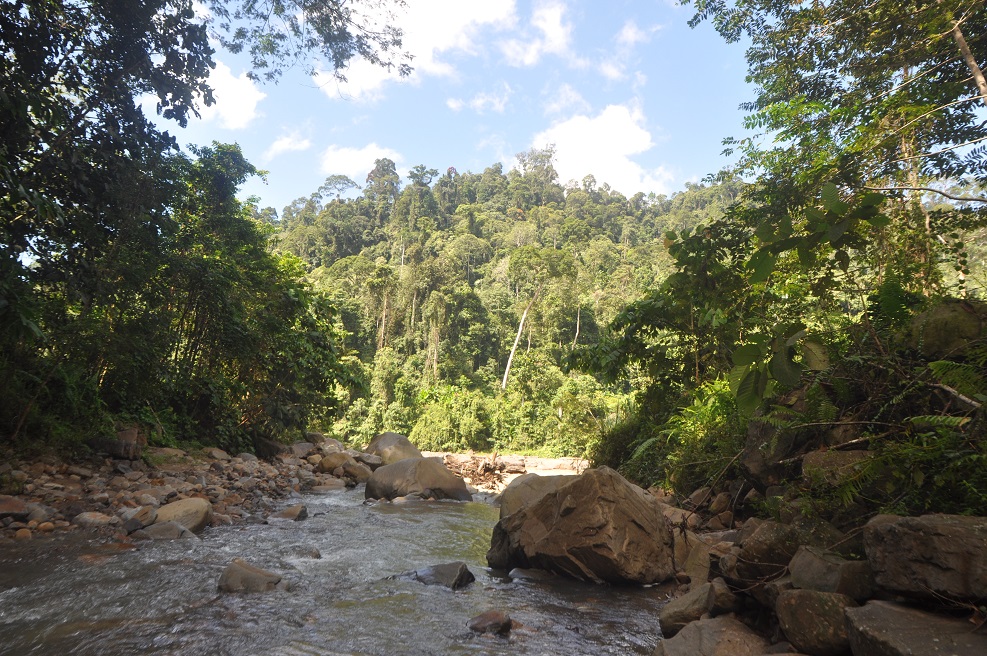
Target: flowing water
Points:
(69, 596)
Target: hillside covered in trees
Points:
(465, 297)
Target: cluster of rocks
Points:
(756, 586)
(170, 493)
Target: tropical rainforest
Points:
(507, 310)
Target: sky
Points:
(623, 89)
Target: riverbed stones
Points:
(93, 519)
(929, 556)
(193, 513)
(423, 477)
(241, 576)
(882, 628)
(814, 621)
(599, 527)
(718, 636)
(493, 621)
(392, 447)
(331, 461)
(714, 598)
(13, 508)
(163, 531)
(296, 513)
(527, 489)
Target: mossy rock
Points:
(946, 330)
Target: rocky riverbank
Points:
(124, 498)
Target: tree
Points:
(281, 33)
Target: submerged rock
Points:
(241, 576)
(492, 621)
(454, 576)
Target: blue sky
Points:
(625, 90)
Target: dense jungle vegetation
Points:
(510, 310)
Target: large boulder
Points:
(599, 527)
(947, 330)
(720, 636)
(766, 552)
(392, 447)
(331, 461)
(423, 477)
(526, 489)
(882, 628)
(193, 513)
(814, 621)
(813, 568)
(929, 556)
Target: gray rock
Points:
(163, 531)
(814, 621)
(599, 527)
(881, 628)
(241, 576)
(141, 517)
(194, 513)
(370, 460)
(392, 447)
(302, 449)
(526, 489)
(714, 598)
(766, 552)
(719, 636)
(929, 556)
(416, 476)
(813, 568)
(454, 576)
(218, 454)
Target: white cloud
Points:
(291, 142)
(553, 36)
(236, 99)
(495, 101)
(565, 99)
(603, 145)
(432, 28)
(629, 36)
(355, 163)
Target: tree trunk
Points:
(971, 63)
(517, 338)
(579, 308)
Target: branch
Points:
(972, 199)
(940, 152)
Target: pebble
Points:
(23, 534)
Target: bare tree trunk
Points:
(517, 338)
(971, 63)
(579, 308)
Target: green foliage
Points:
(698, 444)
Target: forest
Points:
(507, 310)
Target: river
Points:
(69, 595)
